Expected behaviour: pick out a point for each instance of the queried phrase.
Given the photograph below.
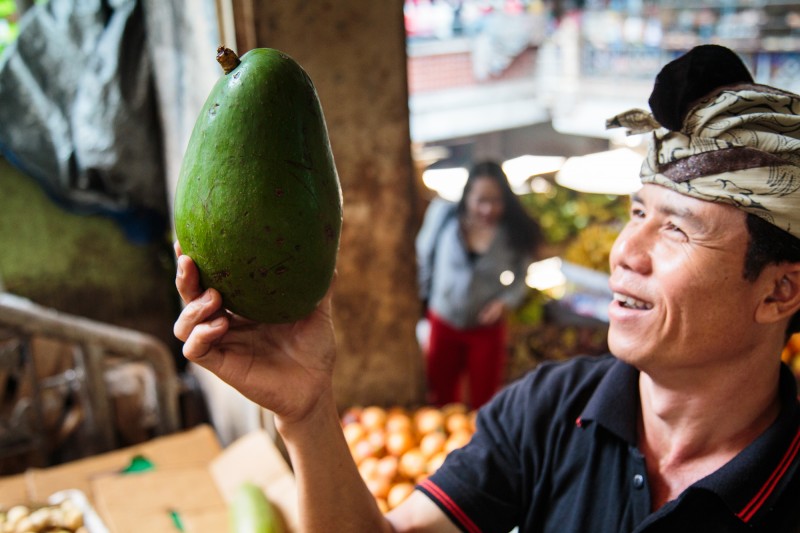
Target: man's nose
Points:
(632, 249)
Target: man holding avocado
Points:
(693, 423)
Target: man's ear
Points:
(783, 298)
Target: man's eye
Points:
(673, 227)
(637, 212)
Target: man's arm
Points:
(287, 368)
(419, 514)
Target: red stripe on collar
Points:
(761, 496)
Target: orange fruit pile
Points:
(791, 354)
(396, 448)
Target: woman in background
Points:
(472, 259)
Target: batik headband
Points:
(739, 145)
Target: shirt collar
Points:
(750, 480)
(615, 403)
(747, 482)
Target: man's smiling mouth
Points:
(630, 302)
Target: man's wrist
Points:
(312, 421)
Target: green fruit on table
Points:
(258, 205)
(251, 512)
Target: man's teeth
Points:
(632, 303)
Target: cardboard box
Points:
(191, 481)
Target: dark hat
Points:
(692, 76)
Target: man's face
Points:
(680, 299)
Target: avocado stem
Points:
(227, 59)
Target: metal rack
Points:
(92, 345)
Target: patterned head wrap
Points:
(739, 144)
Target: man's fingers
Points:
(187, 279)
(203, 337)
(197, 311)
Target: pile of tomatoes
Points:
(396, 448)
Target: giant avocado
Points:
(258, 205)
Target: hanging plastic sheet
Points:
(78, 111)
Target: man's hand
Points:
(285, 368)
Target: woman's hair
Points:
(524, 232)
(768, 245)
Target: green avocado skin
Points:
(258, 204)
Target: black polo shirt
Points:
(556, 452)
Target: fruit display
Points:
(65, 517)
(791, 354)
(591, 246)
(549, 341)
(564, 213)
(396, 448)
(258, 204)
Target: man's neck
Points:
(686, 433)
